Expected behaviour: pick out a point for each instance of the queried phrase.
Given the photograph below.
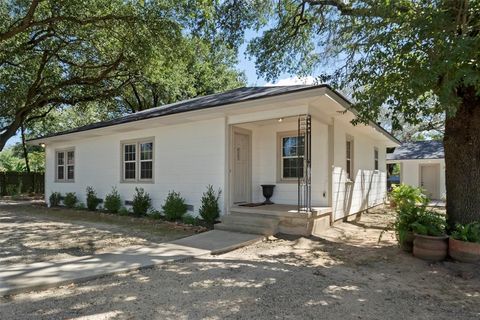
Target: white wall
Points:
(188, 157)
(410, 173)
(368, 187)
(265, 162)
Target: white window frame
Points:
(65, 164)
(376, 164)
(137, 161)
(280, 157)
(349, 161)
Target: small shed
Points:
(422, 164)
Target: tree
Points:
(59, 53)
(412, 57)
(200, 68)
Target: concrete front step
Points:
(249, 223)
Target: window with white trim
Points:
(375, 158)
(65, 165)
(137, 160)
(349, 158)
(292, 150)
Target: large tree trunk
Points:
(462, 160)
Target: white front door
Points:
(241, 168)
(429, 180)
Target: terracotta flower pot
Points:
(464, 251)
(430, 248)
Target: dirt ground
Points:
(346, 274)
(33, 233)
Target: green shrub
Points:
(92, 200)
(141, 202)
(174, 207)
(113, 202)
(55, 199)
(405, 195)
(403, 221)
(70, 200)
(189, 219)
(429, 223)
(80, 206)
(210, 210)
(467, 232)
(123, 211)
(155, 214)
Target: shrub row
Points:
(174, 208)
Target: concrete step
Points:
(249, 223)
(244, 228)
(250, 218)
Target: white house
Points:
(422, 164)
(298, 138)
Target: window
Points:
(349, 157)
(146, 160)
(375, 158)
(137, 158)
(65, 165)
(291, 157)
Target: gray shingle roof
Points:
(209, 101)
(203, 102)
(418, 150)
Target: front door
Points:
(241, 167)
(429, 179)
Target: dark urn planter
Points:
(268, 192)
(430, 248)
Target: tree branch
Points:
(24, 24)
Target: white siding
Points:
(265, 163)
(188, 157)
(368, 187)
(410, 173)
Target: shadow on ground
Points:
(346, 274)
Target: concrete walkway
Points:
(26, 277)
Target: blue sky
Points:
(247, 65)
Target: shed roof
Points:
(418, 150)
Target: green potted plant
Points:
(403, 194)
(406, 216)
(430, 239)
(464, 242)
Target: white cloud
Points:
(293, 81)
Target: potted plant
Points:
(464, 242)
(406, 216)
(403, 194)
(430, 239)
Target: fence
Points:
(14, 183)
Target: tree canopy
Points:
(118, 56)
(407, 56)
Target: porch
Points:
(276, 218)
(289, 152)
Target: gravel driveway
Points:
(344, 275)
(33, 233)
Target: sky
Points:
(247, 65)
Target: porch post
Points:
(304, 163)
